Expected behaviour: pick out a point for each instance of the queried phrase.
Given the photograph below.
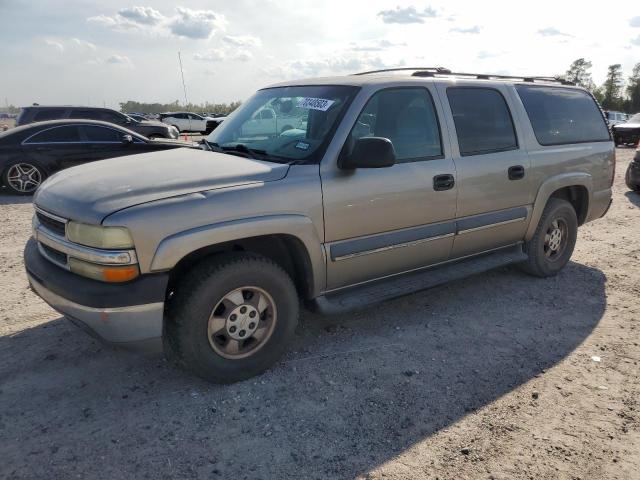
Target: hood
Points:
(88, 193)
(625, 126)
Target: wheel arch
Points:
(290, 242)
(576, 188)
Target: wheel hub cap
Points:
(555, 239)
(24, 177)
(242, 322)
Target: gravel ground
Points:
(499, 376)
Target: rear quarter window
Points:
(561, 116)
(50, 114)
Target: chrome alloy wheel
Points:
(555, 240)
(241, 322)
(24, 177)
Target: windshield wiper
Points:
(253, 153)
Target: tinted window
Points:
(407, 117)
(482, 119)
(563, 115)
(84, 114)
(111, 117)
(63, 134)
(102, 134)
(52, 114)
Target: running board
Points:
(353, 298)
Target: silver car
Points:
(389, 183)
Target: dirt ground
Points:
(500, 376)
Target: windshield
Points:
(634, 119)
(285, 124)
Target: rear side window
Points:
(64, 134)
(51, 114)
(84, 114)
(563, 115)
(483, 121)
(407, 117)
(102, 134)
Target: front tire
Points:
(553, 241)
(232, 317)
(23, 178)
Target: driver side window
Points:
(407, 117)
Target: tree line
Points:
(614, 93)
(131, 106)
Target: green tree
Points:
(579, 74)
(131, 106)
(612, 88)
(633, 90)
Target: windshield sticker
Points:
(315, 103)
(302, 146)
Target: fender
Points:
(551, 185)
(175, 247)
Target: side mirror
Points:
(127, 139)
(370, 152)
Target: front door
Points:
(494, 196)
(385, 221)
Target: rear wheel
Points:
(23, 178)
(630, 184)
(554, 240)
(232, 318)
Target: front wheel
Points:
(553, 241)
(23, 178)
(232, 317)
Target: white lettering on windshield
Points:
(310, 103)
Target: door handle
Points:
(443, 182)
(516, 172)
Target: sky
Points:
(96, 52)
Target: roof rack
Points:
(433, 71)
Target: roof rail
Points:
(441, 70)
(433, 71)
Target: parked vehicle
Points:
(31, 153)
(148, 128)
(614, 118)
(396, 183)
(137, 117)
(632, 176)
(190, 122)
(627, 133)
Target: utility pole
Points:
(184, 86)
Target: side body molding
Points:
(551, 185)
(175, 247)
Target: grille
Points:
(56, 226)
(54, 254)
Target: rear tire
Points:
(627, 179)
(553, 241)
(201, 330)
(23, 178)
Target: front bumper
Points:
(129, 314)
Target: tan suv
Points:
(389, 182)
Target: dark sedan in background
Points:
(632, 176)
(30, 153)
(627, 133)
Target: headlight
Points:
(98, 236)
(104, 273)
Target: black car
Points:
(632, 177)
(627, 133)
(148, 128)
(30, 153)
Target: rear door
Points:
(494, 194)
(104, 142)
(56, 148)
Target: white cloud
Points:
(484, 54)
(635, 22)
(474, 29)
(552, 32)
(375, 46)
(116, 59)
(636, 41)
(83, 44)
(407, 15)
(55, 44)
(142, 15)
(242, 40)
(214, 55)
(198, 24)
(241, 56)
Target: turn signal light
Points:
(104, 273)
